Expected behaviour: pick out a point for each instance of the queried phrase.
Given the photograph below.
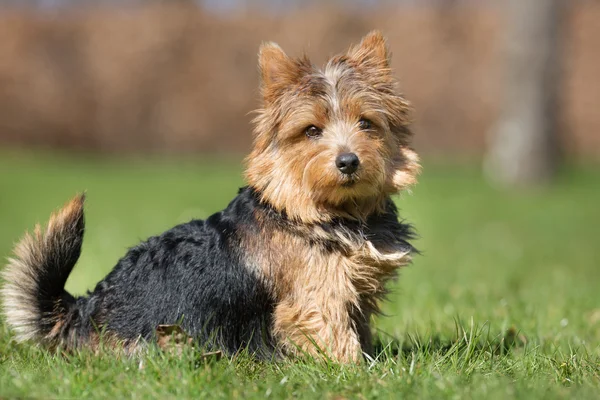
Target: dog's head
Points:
(331, 142)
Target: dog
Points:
(295, 265)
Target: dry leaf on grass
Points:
(172, 338)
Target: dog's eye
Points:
(313, 132)
(365, 124)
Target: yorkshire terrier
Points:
(298, 261)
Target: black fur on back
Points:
(194, 275)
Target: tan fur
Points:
(299, 177)
(324, 298)
(20, 290)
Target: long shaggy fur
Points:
(34, 300)
(296, 264)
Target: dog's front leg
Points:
(307, 327)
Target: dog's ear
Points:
(371, 52)
(277, 70)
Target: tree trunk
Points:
(523, 148)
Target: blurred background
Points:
(147, 105)
(181, 77)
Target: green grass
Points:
(504, 302)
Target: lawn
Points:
(504, 301)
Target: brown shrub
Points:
(179, 79)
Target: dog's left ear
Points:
(371, 52)
(278, 71)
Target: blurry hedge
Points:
(180, 79)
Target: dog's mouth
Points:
(349, 181)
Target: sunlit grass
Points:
(504, 302)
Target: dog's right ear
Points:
(277, 70)
(371, 52)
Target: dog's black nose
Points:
(347, 163)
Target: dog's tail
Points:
(35, 303)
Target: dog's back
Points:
(193, 275)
